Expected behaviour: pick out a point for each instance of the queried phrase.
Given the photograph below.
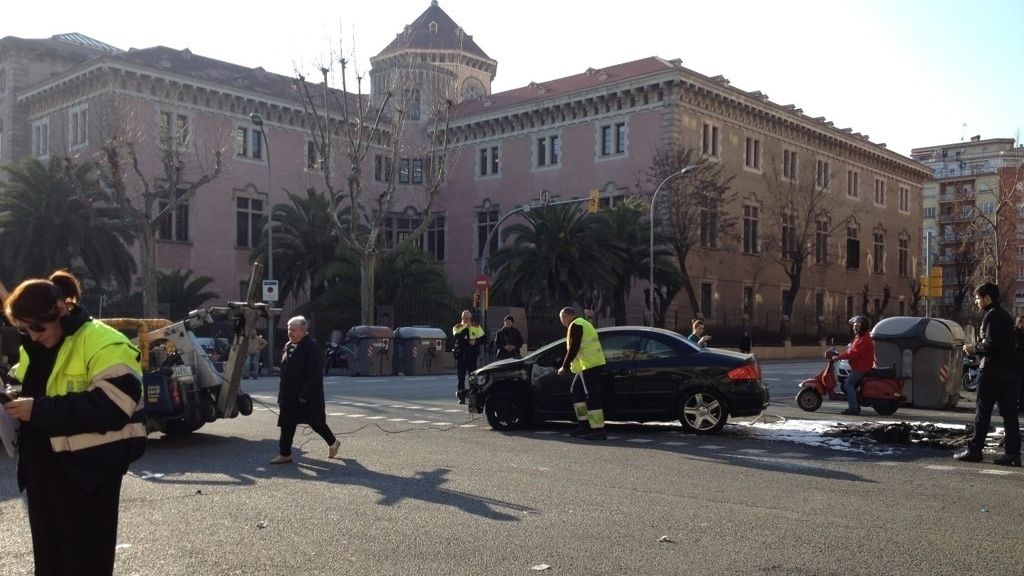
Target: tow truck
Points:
(182, 387)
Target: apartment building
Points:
(973, 206)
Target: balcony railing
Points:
(956, 217)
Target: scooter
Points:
(878, 388)
(971, 371)
(334, 356)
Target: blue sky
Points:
(908, 73)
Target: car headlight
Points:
(478, 380)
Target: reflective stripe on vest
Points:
(590, 354)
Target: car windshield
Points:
(622, 345)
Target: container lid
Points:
(932, 331)
(408, 332)
(370, 332)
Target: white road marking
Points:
(454, 411)
(375, 417)
(674, 443)
(419, 421)
(711, 447)
(442, 423)
(752, 451)
(639, 440)
(397, 419)
(336, 413)
(355, 415)
(467, 426)
(996, 472)
(940, 467)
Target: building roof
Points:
(73, 45)
(201, 69)
(592, 78)
(445, 34)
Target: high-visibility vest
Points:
(590, 354)
(475, 332)
(86, 358)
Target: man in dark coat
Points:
(508, 340)
(997, 381)
(301, 394)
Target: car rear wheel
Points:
(703, 411)
(808, 399)
(505, 412)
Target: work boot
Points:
(1008, 460)
(972, 455)
(461, 395)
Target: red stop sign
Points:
(482, 281)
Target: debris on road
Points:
(540, 567)
(261, 524)
(667, 540)
(924, 434)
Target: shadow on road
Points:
(203, 462)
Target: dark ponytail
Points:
(70, 288)
(35, 300)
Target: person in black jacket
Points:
(997, 381)
(82, 424)
(301, 393)
(507, 340)
(1018, 344)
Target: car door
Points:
(620, 351)
(662, 365)
(550, 391)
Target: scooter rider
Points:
(861, 355)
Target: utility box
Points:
(927, 356)
(369, 350)
(420, 351)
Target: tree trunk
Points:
(367, 265)
(147, 269)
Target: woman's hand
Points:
(20, 408)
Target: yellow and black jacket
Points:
(89, 406)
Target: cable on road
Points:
(306, 430)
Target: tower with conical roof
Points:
(430, 61)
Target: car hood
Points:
(502, 366)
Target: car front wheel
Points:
(703, 411)
(505, 412)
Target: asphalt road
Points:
(424, 488)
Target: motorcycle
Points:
(334, 357)
(878, 388)
(971, 372)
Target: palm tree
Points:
(305, 244)
(58, 216)
(183, 292)
(557, 256)
(416, 284)
(624, 232)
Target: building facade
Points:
(973, 208)
(556, 139)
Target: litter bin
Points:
(369, 349)
(421, 351)
(927, 356)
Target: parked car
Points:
(651, 375)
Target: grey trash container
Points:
(421, 351)
(369, 349)
(926, 353)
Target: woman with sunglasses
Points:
(82, 424)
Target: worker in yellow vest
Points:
(585, 359)
(82, 424)
(468, 338)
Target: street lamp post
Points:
(257, 121)
(650, 278)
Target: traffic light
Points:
(595, 201)
(476, 300)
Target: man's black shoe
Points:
(851, 412)
(580, 431)
(1008, 460)
(971, 455)
(596, 434)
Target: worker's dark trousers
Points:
(586, 387)
(466, 364)
(73, 534)
(997, 385)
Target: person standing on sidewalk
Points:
(468, 338)
(998, 380)
(507, 340)
(252, 360)
(585, 359)
(301, 393)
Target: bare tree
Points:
(802, 214)
(874, 310)
(693, 213)
(147, 198)
(996, 233)
(915, 296)
(413, 144)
